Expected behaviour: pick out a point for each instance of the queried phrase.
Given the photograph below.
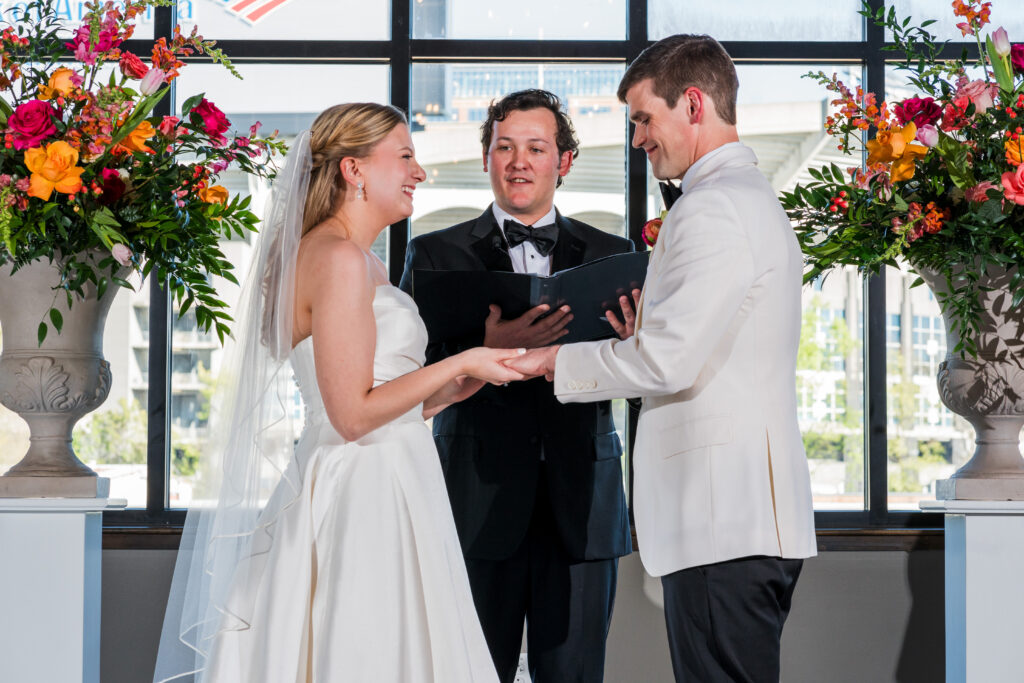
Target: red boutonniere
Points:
(651, 229)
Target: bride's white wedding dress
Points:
(359, 577)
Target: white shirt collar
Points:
(501, 216)
(694, 171)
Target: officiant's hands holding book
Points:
(531, 330)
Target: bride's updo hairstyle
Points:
(344, 130)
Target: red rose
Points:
(32, 123)
(132, 66)
(214, 121)
(1017, 58)
(922, 111)
(113, 186)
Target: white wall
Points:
(858, 617)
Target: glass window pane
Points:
(113, 439)
(524, 20)
(780, 116)
(926, 440)
(751, 20)
(197, 356)
(1009, 15)
(449, 102)
(287, 19)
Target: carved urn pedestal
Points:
(987, 390)
(53, 384)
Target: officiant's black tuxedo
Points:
(531, 479)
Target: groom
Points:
(535, 486)
(722, 492)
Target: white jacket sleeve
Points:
(699, 281)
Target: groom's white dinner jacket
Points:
(719, 462)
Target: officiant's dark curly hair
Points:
(525, 100)
(684, 61)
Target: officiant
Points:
(535, 486)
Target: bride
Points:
(350, 570)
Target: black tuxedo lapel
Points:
(488, 243)
(569, 248)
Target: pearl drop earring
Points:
(359, 190)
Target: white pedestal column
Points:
(50, 560)
(984, 589)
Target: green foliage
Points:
(113, 436)
(824, 446)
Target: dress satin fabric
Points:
(360, 576)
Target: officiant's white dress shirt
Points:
(525, 257)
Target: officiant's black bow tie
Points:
(543, 237)
(670, 193)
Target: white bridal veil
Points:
(251, 440)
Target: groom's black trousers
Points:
(725, 619)
(567, 604)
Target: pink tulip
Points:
(1001, 41)
(152, 81)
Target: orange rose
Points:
(1014, 151)
(53, 169)
(136, 140)
(215, 194)
(60, 84)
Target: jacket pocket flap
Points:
(713, 430)
(607, 446)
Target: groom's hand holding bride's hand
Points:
(536, 362)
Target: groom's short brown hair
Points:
(686, 61)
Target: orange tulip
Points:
(52, 169)
(216, 194)
(60, 84)
(136, 140)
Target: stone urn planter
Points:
(987, 390)
(52, 385)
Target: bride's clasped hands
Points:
(477, 366)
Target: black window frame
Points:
(400, 53)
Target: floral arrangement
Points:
(89, 174)
(943, 183)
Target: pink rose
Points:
(927, 136)
(113, 187)
(32, 123)
(121, 254)
(1017, 58)
(923, 111)
(215, 123)
(1013, 186)
(169, 126)
(978, 193)
(979, 92)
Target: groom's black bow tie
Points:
(543, 237)
(670, 193)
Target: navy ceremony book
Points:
(454, 303)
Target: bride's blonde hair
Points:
(344, 130)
